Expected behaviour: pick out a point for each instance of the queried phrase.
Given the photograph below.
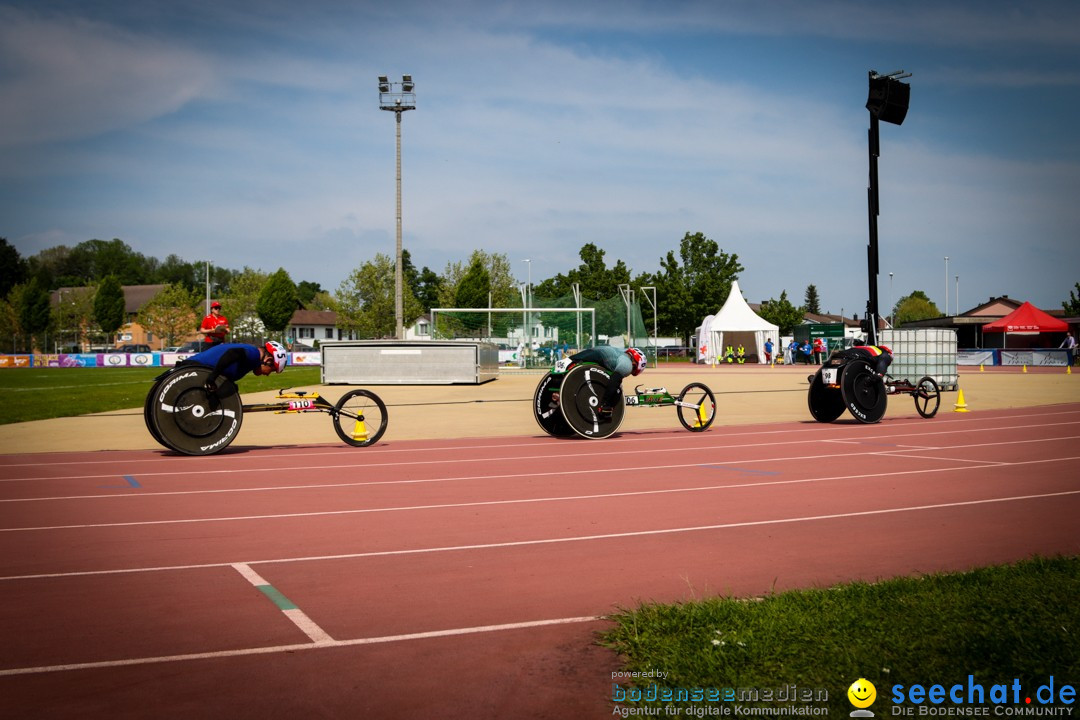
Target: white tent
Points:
(742, 326)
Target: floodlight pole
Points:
(872, 248)
(398, 103)
(878, 103)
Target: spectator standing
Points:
(768, 351)
(819, 348)
(215, 325)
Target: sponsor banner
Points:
(114, 360)
(975, 357)
(1057, 358)
(313, 357)
(15, 361)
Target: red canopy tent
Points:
(1028, 320)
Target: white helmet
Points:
(638, 360)
(278, 354)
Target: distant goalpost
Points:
(500, 323)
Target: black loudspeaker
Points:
(888, 100)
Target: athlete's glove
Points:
(562, 366)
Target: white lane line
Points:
(444, 461)
(557, 541)
(975, 465)
(298, 617)
(454, 632)
(420, 481)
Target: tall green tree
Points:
(475, 287)
(33, 311)
(13, 269)
(1072, 307)
(916, 306)
(811, 302)
(365, 300)
(782, 313)
(239, 305)
(277, 302)
(109, 305)
(171, 313)
(306, 292)
(694, 285)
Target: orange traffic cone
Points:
(961, 406)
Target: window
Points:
(328, 334)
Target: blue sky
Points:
(249, 134)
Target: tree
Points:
(475, 287)
(13, 268)
(697, 287)
(32, 309)
(812, 303)
(240, 302)
(1072, 307)
(503, 286)
(916, 306)
(365, 300)
(171, 313)
(109, 305)
(306, 292)
(277, 302)
(782, 313)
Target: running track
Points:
(444, 579)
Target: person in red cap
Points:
(215, 325)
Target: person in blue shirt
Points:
(621, 364)
(768, 351)
(235, 360)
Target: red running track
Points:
(469, 578)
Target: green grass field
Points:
(42, 393)
(996, 624)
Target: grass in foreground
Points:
(997, 624)
(43, 393)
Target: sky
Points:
(248, 133)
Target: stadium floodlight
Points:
(888, 101)
(397, 103)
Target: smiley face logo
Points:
(862, 693)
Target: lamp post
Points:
(887, 100)
(397, 103)
(528, 305)
(946, 286)
(892, 310)
(957, 293)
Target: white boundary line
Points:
(973, 465)
(375, 483)
(301, 646)
(555, 541)
(298, 617)
(544, 442)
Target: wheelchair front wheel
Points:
(360, 418)
(696, 407)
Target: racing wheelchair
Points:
(182, 415)
(849, 382)
(567, 403)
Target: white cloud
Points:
(68, 78)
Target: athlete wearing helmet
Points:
(235, 360)
(621, 363)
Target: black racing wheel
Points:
(188, 418)
(696, 407)
(360, 418)
(927, 397)
(863, 391)
(579, 399)
(546, 408)
(826, 403)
